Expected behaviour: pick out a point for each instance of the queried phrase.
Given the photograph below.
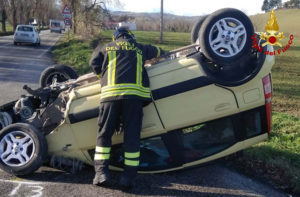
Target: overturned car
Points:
(209, 99)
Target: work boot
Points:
(128, 177)
(126, 183)
(101, 179)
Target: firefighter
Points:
(124, 91)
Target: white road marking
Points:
(15, 190)
(38, 191)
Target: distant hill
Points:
(155, 16)
(151, 21)
(288, 21)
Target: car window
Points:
(55, 24)
(154, 155)
(206, 139)
(182, 146)
(25, 28)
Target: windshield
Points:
(25, 28)
(55, 24)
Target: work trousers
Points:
(110, 112)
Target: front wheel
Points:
(57, 74)
(23, 149)
(225, 36)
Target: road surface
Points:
(21, 65)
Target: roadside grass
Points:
(77, 52)
(286, 80)
(278, 158)
(172, 40)
(74, 52)
(9, 30)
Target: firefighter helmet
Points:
(122, 31)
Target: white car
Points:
(26, 34)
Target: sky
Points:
(190, 7)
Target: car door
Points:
(184, 96)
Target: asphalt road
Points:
(21, 65)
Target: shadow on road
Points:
(190, 182)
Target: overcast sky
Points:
(191, 7)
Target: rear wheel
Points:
(23, 149)
(196, 29)
(225, 36)
(57, 74)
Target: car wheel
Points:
(15, 43)
(225, 36)
(5, 119)
(196, 29)
(57, 73)
(23, 149)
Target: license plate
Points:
(26, 35)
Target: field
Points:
(287, 19)
(276, 159)
(9, 30)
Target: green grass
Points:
(286, 80)
(172, 40)
(288, 21)
(9, 30)
(77, 52)
(281, 150)
(280, 153)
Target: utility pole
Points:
(161, 20)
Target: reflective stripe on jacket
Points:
(121, 66)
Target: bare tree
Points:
(3, 16)
(22, 11)
(11, 9)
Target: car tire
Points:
(196, 28)
(23, 149)
(225, 36)
(15, 43)
(61, 72)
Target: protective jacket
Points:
(121, 67)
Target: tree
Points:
(270, 4)
(266, 6)
(275, 3)
(295, 3)
(3, 16)
(23, 11)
